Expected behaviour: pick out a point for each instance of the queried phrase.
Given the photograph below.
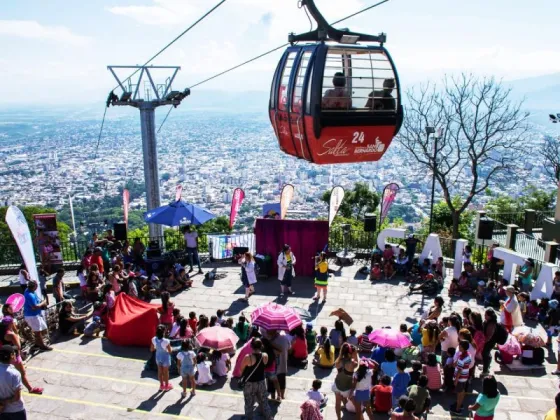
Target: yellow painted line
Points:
(107, 356)
(109, 406)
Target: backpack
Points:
(501, 334)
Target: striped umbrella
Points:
(272, 316)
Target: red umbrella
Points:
(272, 316)
(217, 338)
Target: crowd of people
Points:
(442, 356)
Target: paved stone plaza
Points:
(94, 379)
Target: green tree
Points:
(357, 202)
(443, 222)
(531, 198)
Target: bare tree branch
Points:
(484, 133)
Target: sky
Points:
(57, 51)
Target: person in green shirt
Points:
(487, 400)
(311, 337)
(420, 395)
(241, 329)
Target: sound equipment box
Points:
(153, 251)
(485, 229)
(370, 222)
(120, 231)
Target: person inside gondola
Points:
(337, 98)
(383, 99)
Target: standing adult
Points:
(410, 243)
(282, 346)
(490, 326)
(511, 316)
(248, 274)
(97, 259)
(58, 286)
(10, 386)
(286, 272)
(33, 313)
(526, 275)
(493, 262)
(191, 244)
(23, 278)
(477, 331)
(253, 366)
(449, 337)
(346, 364)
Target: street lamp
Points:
(432, 130)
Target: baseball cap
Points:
(309, 325)
(96, 319)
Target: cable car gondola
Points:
(332, 100)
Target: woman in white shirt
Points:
(221, 364)
(449, 337)
(286, 272)
(248, 274)
(23, 278)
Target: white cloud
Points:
(34, 30)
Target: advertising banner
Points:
(178, 192)
(126, 203)
(20, 231)
(389, 193)
(337, 195)
(237, 199)
(285, 199)
(48, 240)
(271, 211)
(221, 246)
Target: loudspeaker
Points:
(370, 222)
(120, 232)
(485, 229)
(153, 253)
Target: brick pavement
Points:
(97, 380)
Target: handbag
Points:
(242, 381)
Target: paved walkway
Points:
(97, 380)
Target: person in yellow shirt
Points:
(554, 414)
(321, 276)
(324, 356)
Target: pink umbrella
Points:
(16, 301)
(272, 316)
(217, 338)
(387, 337)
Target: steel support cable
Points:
(267, 53)
(157, 55)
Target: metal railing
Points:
(515, 218)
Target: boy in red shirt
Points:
(193, 322)
(383, 395)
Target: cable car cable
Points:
(267, 53)
(282, 46)
(176, 39)
(153, 58)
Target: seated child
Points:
(464, 282)
(415, 373)
(204, 372)
(352, 339)
(454, 288)
(389, 269)
(428, 286)
(315, 395)
(421, 396)
(383, 395)
(502, 289)
(323, 336)
(311, 337)
(523, 299)
(414, 273)
(221, 363)
(365, 346)
(94, 327)
(425, 268)
(532, 309)
(375, 272)
(491, 295)
(480, 290)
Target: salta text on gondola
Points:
(337, 147)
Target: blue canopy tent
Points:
(177, 213)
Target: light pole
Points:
(432, 130)
(554, 119)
